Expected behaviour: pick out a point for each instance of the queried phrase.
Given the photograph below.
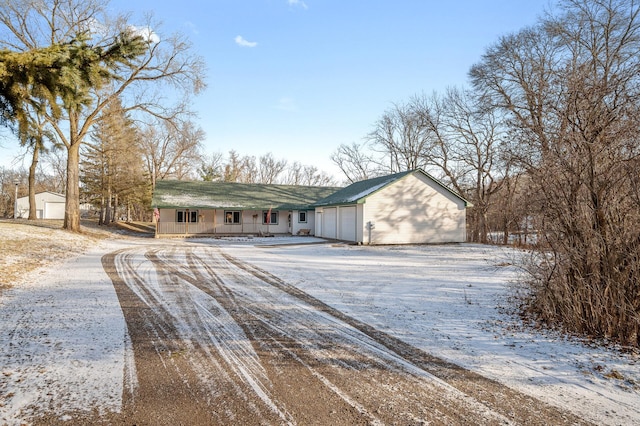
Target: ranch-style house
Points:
(404, 208)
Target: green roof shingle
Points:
(358, 191)
(231, 195)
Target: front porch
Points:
(191, 222)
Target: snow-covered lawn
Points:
(62, 341)
(63, 344)
(449, 301)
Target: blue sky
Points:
(298, 78)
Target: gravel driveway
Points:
(219, 341)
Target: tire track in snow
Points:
(299, 329)
(219, 341)
(516, 406)
(180, 379)
(204, 316)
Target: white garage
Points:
(49, 205)
(404, 208)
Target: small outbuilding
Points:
(49, 205)
(404, 208)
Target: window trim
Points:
(300, 213)
(233, 214)
(182, 214)
(274, 216)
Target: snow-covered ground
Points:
(449, 300)
(63, 340)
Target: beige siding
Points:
(212, 222)
(251, 223)
(296, 226)
(414, 210)
(167, 215)
(361, 226)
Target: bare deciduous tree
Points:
(54, 161)
(453, 136)
(165, 62)
(170, 151)
(212, 167)
(356, 162)
(468, 153)
(270, 169)
(571, 86)
(267, 170)
(401, 137)
(306, 175)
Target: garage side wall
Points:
(48, 206)
(414, 210)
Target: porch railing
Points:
(185, 228)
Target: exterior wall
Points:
(296, 225)
(360, 225)
(212, 222)
(414, 210)
(49, 205)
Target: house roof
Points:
(357, 192)
(231, 195)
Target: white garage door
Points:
(347, 229)
(54, 210)
(329, 223)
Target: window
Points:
(269, 217)
(231, 217)
(302, 217)
(187, 216)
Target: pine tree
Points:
(112, 167)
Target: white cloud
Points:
(299, 3)
(240, 41)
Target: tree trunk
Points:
(72, 204)
(101, 217)
(505, 232)
(482, 224)
(32, 183)
(115, 208)
(108, 214)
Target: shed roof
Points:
(231, 195)
(39, 194)
(357, 192)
